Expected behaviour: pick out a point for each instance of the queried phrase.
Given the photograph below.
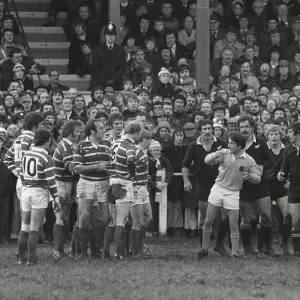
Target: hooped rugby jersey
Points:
(142, 166)
(63, 157)
(21, 145)
(87, 153)
(37, 170)
(123, 156)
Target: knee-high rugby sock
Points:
(119, 240)
(108, 237)
(32, 243)
(235, 243)
(134, 240)
(93, 241)
(59, 237)
(84, 237)
(22, 244)
(206, 236)
(126, 241)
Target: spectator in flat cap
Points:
(190, 132)
(284, 79)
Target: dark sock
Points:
(259, 239)
(126, 241)
(296, 243)
(142, 236)
(32, 243)
(59, 237)
(93, 241)
(108, 237)
(200, 234)
(246, 238)
(266, 233)
(223, 229)
(84, 237)
(119, 240)
(75, 238)
(100, 238)
(134, 240)
(286, 231)
(22, 244)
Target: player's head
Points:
(133, 130)
(294, 132)
(72, 129)
(42, 137)
(206, 128)
(95, 129)
(116, 121)
(145, 139)
(32, 121)
(247, 126)
(237, 142)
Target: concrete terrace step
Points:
(58, 64)
(33, 18)
(45, 34)
(50, 50)
(30, 5)
(81, 83)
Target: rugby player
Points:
(91, 161)
(207, 174)
(235, 167)
(116, 121)
(38, 179)
(278, 192)
(140, 208)
(123, 168)
(258, 196)
(291, 169)
(66, 185)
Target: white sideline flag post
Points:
(161, 198)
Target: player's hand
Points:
(218, 156)
(56, 205)
(103, 166)
(159, 186)
(188, 186)
(246, 175)
(15, 172)
(281, 176)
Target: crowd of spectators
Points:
(150, 76)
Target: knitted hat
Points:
(154, 145)
(163, 124)
(163, 71)
(3, 130)
(18, 67)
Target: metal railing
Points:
(27, 47)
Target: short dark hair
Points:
(41, 137)
(115, 117)
(17, 105)
(32, 119)
(296, 128)
(45, 104)
(238, 138)
(144, 17)
(205, 122)
(91, 125)
(256, 101)
(69, 127)
(7, 30)
(245, 119)
(13, 51)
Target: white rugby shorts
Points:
(222, 197)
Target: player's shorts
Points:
(34, 198)
(203, 191)
(121, 190)
(224, 198)
(277, 189)
(294, 194)
(252, 192)
(96, 190)
(66, 191)
(141, 195)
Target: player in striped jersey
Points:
(123, 167)
(140, 209)
(91, 161)
(66, 185)
(12, 159)
(38, 178)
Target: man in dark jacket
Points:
(109, 61)
(16, 57)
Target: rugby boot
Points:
(220, 248)
(202, 254)
(246, 240)
(266, 233)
